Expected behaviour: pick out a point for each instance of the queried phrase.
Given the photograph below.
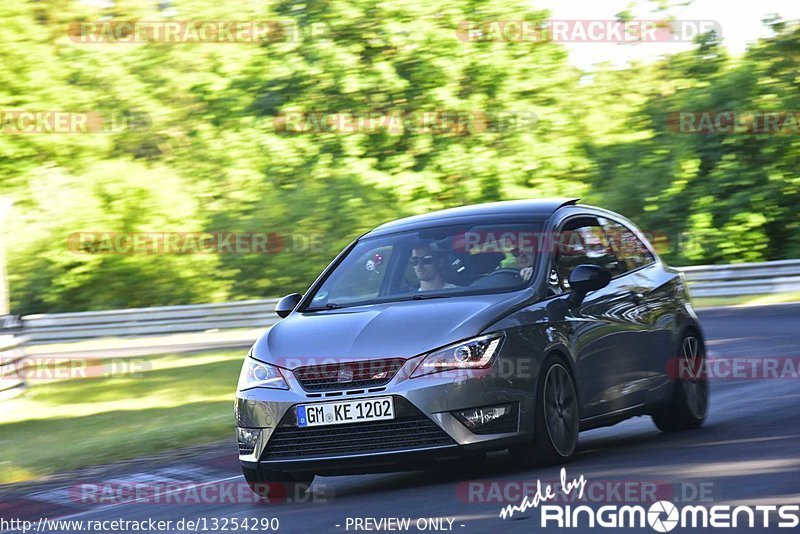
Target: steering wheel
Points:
(515, 272)
(496, 275)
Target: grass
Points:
(747, 300)
(174, 401)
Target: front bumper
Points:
(433, 397)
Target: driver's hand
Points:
(525, 273)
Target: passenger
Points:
(524, 257)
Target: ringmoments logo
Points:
(660, 516)
(663, 516)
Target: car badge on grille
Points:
(344, 376)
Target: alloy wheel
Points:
(561, 410)
(694, 376)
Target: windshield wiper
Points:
(426, 297)
(328, 306)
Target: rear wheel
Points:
(689, 404)
(276, 486)
(557, 418)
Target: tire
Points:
(687, 408)
(276, 486)
(557, 418)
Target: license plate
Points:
(337, 413)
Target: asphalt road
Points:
(747, 453)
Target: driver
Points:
(428, 265)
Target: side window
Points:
(630, 250)
(581, 241)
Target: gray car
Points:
(511, 325)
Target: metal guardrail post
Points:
(5, 207)
(12, 372)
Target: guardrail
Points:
(743, 278)
(58, 327)
(704, 281)
(12, 380)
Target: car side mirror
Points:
(585, 278)
(288, 303)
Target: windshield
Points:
(432, 262)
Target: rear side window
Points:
(581, 241)
(629, 249)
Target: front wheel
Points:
(275, 486)
(688, 406)
(557, 418)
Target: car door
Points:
(652, 342)
(602, 328)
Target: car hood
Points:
(388, 330)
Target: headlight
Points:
(256, 374)
(478, 353)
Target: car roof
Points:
(532, 207)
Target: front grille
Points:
(348, 375)
(410, 429)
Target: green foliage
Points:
(721, 197)
(165, 402)
(216, 157)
